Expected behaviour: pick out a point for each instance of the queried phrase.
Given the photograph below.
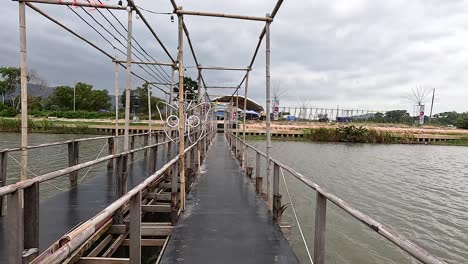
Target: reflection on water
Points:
(421, 191)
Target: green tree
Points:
(397, 116)
(462, 121)
(139, 100)
(87, 99)
(190, 86)
(10, 78)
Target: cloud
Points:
(353, 53)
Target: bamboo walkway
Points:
(225, 221)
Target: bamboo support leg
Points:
(111, 150)
(15, 227)
(73, 159)
(135, 229)
(31, 221)
(3, 178)
(320, 227)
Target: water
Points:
(48, 159)
(421, 191)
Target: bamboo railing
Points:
(323, 195)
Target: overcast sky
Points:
(365, 54)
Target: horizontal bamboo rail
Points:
(224, 68)
(76, 3)
(195, 13)
(323, 194)
(148, 62)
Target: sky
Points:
(359, 54)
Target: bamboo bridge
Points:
(198, 196)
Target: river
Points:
(419, 190)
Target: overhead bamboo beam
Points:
(148, 62)
(24, 92)
(132, 3)
(75, 3)
(160, 83)
(224, 68)
(196, 13)
(221, 87)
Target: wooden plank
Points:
(156, 208)
(159, 197)
(146, 242)
(115, 245)
(31, 217)
(135, 229)
(95, 260)
(147, 229)
(320, 227)
(15, 226)
(95, 252)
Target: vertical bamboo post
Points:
(244, 150)
(111, 150)
(15, 227)
(3, 178)
(116, 106)
(146, 139)
(320, 227)
(199, 84)
(174, 198)
(276, 194)
(135, 229)
(258, 178)
(149, 116)
(73, 159)
(268, 128)
(129, 78)
(132, 147)
(31, 220)
(181, 111)
(24, 92)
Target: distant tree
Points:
(87, 99)
(139, 100)
(462, 121)
(397, 116)
(190, 87)
(10, 78)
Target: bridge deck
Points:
(224, 221)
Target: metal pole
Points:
(268, 129)
(181, 113)
(129, 79)
(244, 153)
(432, 104)
(24, 92)
(116, 108)
(74, 98)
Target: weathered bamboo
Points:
(181, 111)
(3, 178)
(31, 220)
(75, 3)
(15, 226)
(222, 87)
(24, 92)
(116, 106)
(73, 159)
(110, 150)
(268, 110)
(129, 79)
(149, 113)
(244, 150)
(147, 62)
(135, 229)
(320, 227)
(393, 236)
(194, 13)
(276, 194)
(224, 68)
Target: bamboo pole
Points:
(181, 112)
(149, 112)
(129, 80)
(233, 16)
(224, 68)
(24, 92)
(199, 83)
(116, 108)
(268, 128)
(244, 153)
(75, 3)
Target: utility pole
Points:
(432, 105)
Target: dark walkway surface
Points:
(62, 212)
(224, 221)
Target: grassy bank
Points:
(356, 134)
(44, 126)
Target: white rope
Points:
(89, 168)
(295, 216)
(50, 184)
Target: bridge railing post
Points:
(3, 179)
(15, 223)
(73, 159)
(320, 227)
(258, 177)
(31, 222)
(120, 175)
(174, 193)
(276, 194)
(135, 229)
(132, 147)
(111, 150)
(145, 143)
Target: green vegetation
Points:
(139, 100)
(355, 134)
(44, 126)
(86, 98)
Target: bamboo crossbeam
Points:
(147, 62)
(221, 87)
(160, 83)
(75, 3)
(209, 14)
(225, 68)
